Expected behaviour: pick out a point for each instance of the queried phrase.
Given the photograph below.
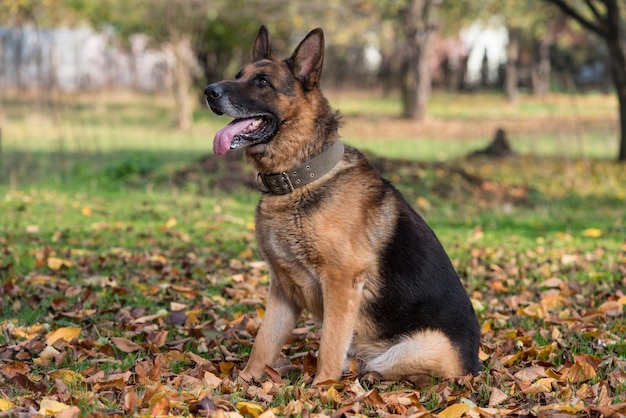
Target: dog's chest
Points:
(293, 241)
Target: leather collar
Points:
(288, 181)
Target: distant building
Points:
(72, 59)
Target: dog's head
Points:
(268, 94)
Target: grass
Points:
(96, 234)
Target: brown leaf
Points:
(611, 308)
(373, 399)
(497, 397)
(578, 373)
(160, 408)
(25, 383)
(71, 412)
(177, 318)
(613, 410)
(204, 406)
(155, 373)
(130, 401)
(529, 374)
(125, 345)
(273, 374)
(157, 338)
(226, 367)
(543, 385)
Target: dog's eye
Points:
(263, 82)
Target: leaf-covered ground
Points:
(149, 306)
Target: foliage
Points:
(144, 298)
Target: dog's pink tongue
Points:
(224, 137)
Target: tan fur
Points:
(325, 257)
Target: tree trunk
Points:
(417, 20)
(510, 71)
(618, 73)
(617, 60)
(609, 27)
(182, 81)
(540, 74)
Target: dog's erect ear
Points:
(308, 59)
(262, 48)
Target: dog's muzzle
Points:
(212, 94)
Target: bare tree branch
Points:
(576, 15)
(599, 17)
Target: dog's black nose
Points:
(213, 91)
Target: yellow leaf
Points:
(170, 223)
(69, 377)
(249, 408)
(86, 211)
(592, 232)
(55, 263)
(568, 408)
(543, 385)
(50, 407)
(226, 367)
(454, 411)
(5, 405)
(247, 253)
(65, 334)
(333, 396)
(422, 203)
(158, 259)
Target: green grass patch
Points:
(101, 231)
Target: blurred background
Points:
(95, 87)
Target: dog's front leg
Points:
(281, 315)
(342, 299)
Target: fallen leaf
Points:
(273, 374)
(55, 263)
(71, 412)
(529, 374)
(65, 334)
(497, 397)
(454, 411)
(613, 410)
(211, 380)
(125, 345)
(578, 372)
(543, 385)
(170, 223)
(52, 407)
(249, 408)
(5, 405)
(67, 376)
(611, 308)
(592, 232)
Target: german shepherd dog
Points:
(340, 241)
